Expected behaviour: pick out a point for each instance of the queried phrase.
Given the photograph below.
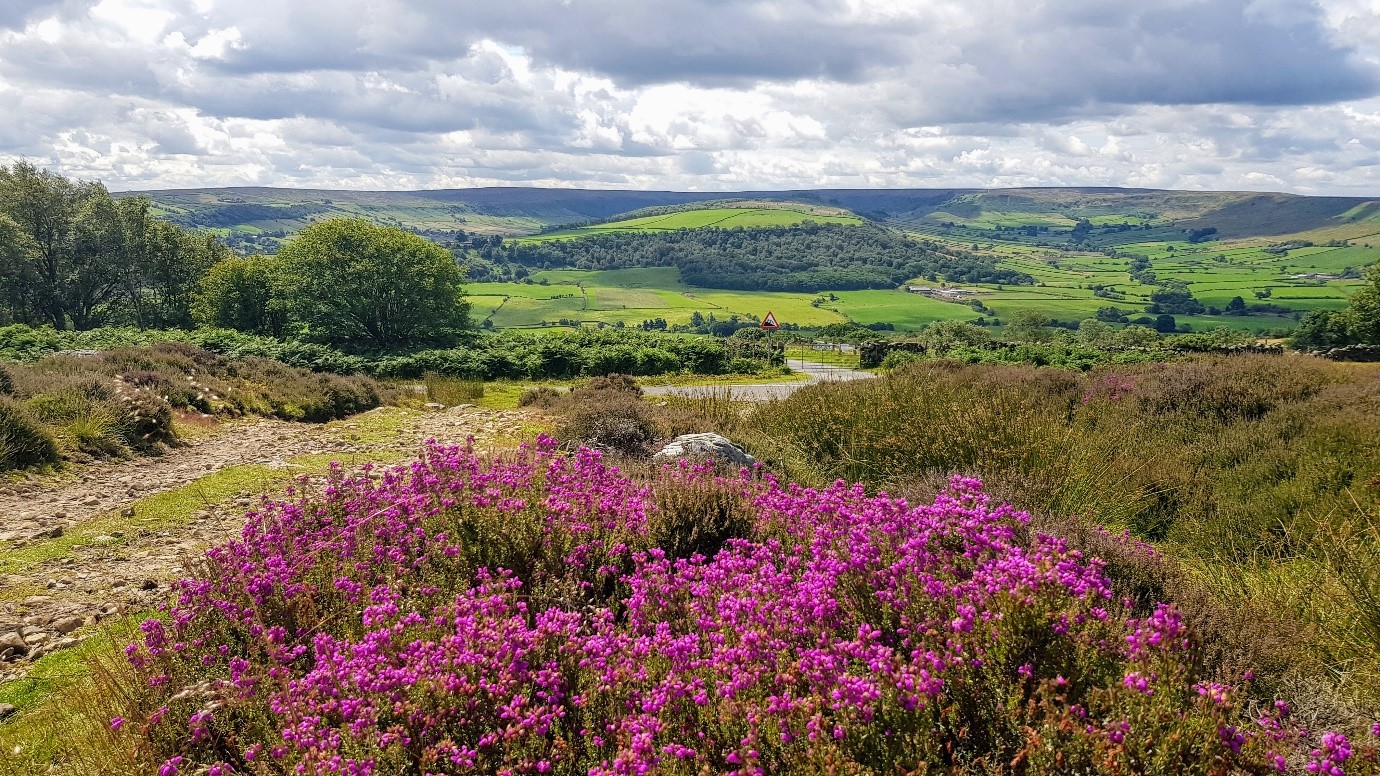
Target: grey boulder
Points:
(705, 446)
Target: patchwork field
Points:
(632, 296)
(1066, 290)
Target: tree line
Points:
(807, 257)
(72, 256)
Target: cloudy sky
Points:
(1280, 95)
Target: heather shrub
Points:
(1230, 388)
(1242, 467)
(146, 419)
(6, 381)
(541, 397)
(694, 514)
(515, 616)
(613, 420)
(24, 442)
(613, 382)
(261, 386)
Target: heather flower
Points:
(1329, 758)
(519, 616)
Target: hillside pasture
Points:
(631, 296)
(905, 311)
(717, 218)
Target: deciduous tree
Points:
(348, 280)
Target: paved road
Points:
(766, 391)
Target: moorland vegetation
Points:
(1192, 589)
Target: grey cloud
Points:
(1057, 61)
(15, 14)
(634, 42)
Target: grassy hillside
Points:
(737, 215)
(1076, 242)
(630, 296)
(520, 210)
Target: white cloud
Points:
(696, 94)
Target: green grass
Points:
(1215, 271)
(906, 311)
(635, 295)
(56, 686)
(159, 512)
(745, 217)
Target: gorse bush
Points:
(523, 616)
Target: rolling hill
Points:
(1283, 254)
(525, 211)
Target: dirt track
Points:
(766, 391)
(44, 605)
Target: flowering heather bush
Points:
(525, 616)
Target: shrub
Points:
(23, 441)
(6, 382)
(696, 514)
(459, 615)
(898, 358)
(613, 382)
(541, 397)
(147, 420)
(745, 366)
(616, 421)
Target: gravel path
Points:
(765, 391)
(45, 606)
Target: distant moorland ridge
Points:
(524, 210)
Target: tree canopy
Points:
(70, 254)
(806, 257)
(348, 280)
(1358, 324)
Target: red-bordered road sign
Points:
(769, 323)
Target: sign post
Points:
(770, 325)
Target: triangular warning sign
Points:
(769, 322)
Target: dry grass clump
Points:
(452, 391)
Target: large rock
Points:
(705, 446)
(13, 643)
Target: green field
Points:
(631, 296)
(745, 217)
(1063, 292)
(1243, 259)
(905, 311)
